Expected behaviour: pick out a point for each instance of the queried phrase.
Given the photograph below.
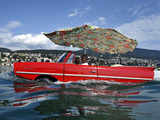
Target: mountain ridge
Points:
(138, 52)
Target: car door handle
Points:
(93, 71)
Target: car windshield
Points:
(66, 57)
(62, 57)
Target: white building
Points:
(6, 53)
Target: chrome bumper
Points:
(157, 75)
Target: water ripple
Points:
(20, 99)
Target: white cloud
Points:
(13, 24)
(145, 9)
(145, 30)
(38, 39)
(88, 8)
(135, 11)
(100, 21)
(26, 41)
(74, 13)
(79, 12)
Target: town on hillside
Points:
(7, 58)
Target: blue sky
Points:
(23, 21)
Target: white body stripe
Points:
(82, 75)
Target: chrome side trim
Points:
(116, 77)
(23, 72)
(81, 75)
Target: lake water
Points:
(24, 100)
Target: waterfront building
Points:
(6, 54)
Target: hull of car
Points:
(64, 72)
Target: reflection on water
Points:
(90, 101)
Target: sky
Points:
(22, 22)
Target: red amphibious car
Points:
(66, 71)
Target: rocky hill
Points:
(5, 50)
(145, 53)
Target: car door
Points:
(106, 73)
(76, 72)
(125, 74)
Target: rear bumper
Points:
(157, 75)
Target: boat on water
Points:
(98, 39)
(65, 70)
